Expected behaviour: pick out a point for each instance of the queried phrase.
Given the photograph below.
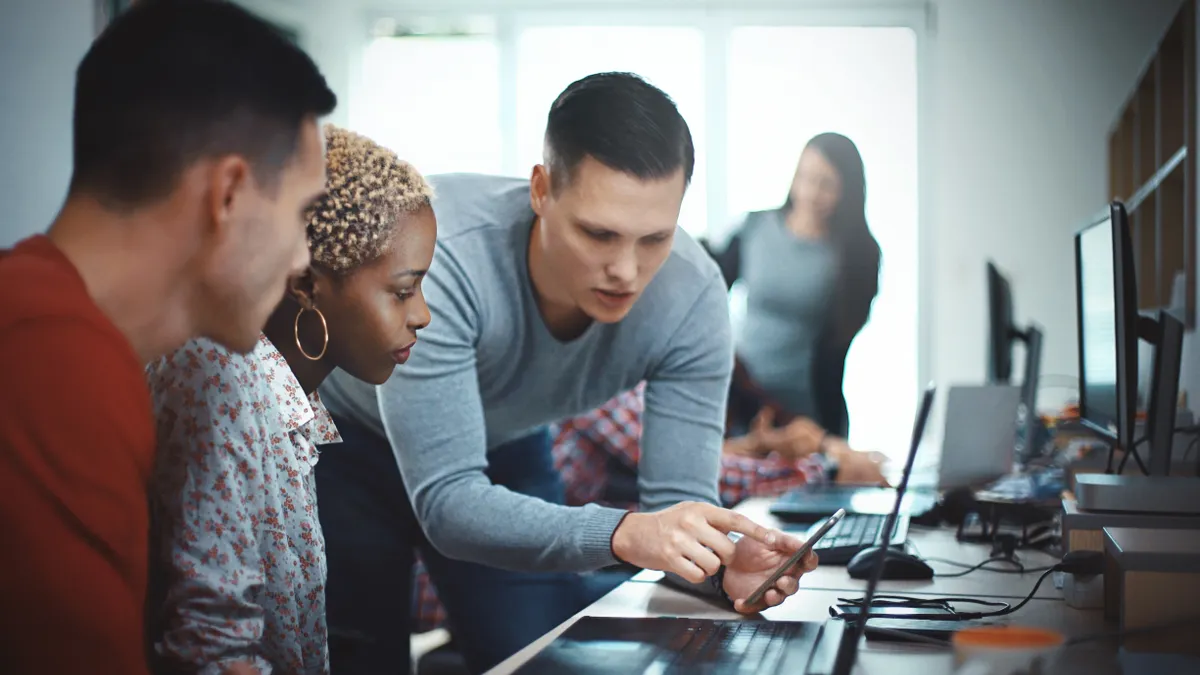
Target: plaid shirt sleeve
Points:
(585, 443)
(745, 477)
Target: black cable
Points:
(1136, 457)
(947, 603)
(1019, 605)
(885, 601)
(1021, 569)
(1007, 558)
(1187, 452)
(1189, 429)
(971, 568)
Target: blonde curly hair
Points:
(367, 189)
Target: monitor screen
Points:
(1098, 325)
(1000, 327)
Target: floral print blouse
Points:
(236, 538)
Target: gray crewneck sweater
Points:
(789, 283)
(487, 371)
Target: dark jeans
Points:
(371, 533)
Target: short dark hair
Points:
(621, 121)
(170, 83)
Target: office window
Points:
(787, 84)
(470, 98)
(672, 58)
(435, 100)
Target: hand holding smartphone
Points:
(796, 557)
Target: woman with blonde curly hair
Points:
(239, 563)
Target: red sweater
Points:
(76, 448)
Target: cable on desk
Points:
(1187, 452)
(1019, 605)
(1020, 568)
(1136, 457)
(1003, 558)
(904, 601)
(1189, 429)
(1075, 562)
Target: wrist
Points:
(621, 541)
(833, 448)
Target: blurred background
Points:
(983, 124)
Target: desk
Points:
(643, 596)
(636, 598)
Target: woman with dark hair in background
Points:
(811, 271)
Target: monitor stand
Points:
(1138, 494)
(1158, 492)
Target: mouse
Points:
(899, 565)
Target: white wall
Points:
(41, 42)
(1026, 91)
(333, 33)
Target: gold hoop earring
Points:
(324, 328)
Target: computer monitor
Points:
(1106, 314)
(1109, 328)
(1003, 333)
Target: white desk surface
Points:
(643, 597)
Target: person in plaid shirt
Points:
(597, 454)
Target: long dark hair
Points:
(857, 250)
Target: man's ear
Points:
(539, 188)
(229, 180)
(303, 288)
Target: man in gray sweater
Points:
(548, 296)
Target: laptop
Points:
(867, 509)
(977, 447)
(628, 646)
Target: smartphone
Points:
(909, 613)
(909, 630)
(796, 557)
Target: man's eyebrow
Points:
(589, 225)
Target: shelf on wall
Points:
(1152, 168)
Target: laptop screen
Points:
(848, 649)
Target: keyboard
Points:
(731, 647)
(672, 645)
(854, 533)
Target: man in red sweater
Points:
(196, 152)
